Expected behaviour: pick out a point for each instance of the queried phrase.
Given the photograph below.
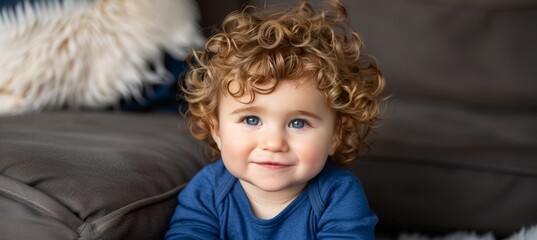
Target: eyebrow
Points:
(309, 114)
(246, 109)
(256, 109)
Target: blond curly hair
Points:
(259, 48)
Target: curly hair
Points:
(259, 48)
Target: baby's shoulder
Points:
(331, 173)
(334, 189)
(333, 179)
(215, 169)
(212, 176)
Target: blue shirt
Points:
(214, 206)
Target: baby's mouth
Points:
(272, 165)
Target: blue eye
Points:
(297, 123)
(251, 120)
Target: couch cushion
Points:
(458, 147)
(438, 166)
(480, 53)
(93, 175)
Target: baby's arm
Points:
(195, 216)
(347, 214)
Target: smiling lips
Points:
(272, 165)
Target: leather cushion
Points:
(478, 53)
(440, 167)
(67, 175)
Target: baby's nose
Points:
(274, 141)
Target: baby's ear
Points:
(337, 136)
(215, 132)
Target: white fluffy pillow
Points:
(89, 54)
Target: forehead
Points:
(292, 95)
(289, 99)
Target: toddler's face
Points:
(279, 141)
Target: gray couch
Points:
(457, 149)
(458, 146)
(92, 175)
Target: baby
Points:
(284, 99)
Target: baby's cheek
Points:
(314, 153)
(236, 146)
